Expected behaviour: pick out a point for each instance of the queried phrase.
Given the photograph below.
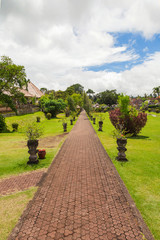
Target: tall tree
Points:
(12, 78)
(43, 90)
(77, 88)
(108, 97)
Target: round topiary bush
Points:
(2, 123)
(48, 116)
(15, 127)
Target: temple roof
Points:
(32, 91)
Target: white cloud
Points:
(55, 40)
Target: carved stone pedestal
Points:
(121, 142)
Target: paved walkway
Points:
(20, 183)
(81, 197)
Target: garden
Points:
(14, 157)
(140, 172)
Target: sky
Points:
(100, 44)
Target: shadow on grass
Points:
(140, 137)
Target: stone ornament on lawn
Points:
(32, 145)
(121, 142)
(94, 120)
(33, 132)
(100, 125)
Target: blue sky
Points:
(136, 43)
(106, 44)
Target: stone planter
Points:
(94, 120)
(121, 142)
(71, 120)
(65, 127)
(42, 154)
(38, 119)
(100, 125)
(32, 145)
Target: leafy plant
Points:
(128, 117)
(120, 133)
(15, 127)
(54, 106)
(2, 123)
(33, 131)
(48, 116)
(12, 77)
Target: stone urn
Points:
(71, 120)
(100, 125)
(121, 142)
(38, 119)
(94, 120)
(65, 127)
(74, 118)
(91, 117)
(32, 145)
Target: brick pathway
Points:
(20, 183)
(81, 197)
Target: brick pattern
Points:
(20, 183)
(82, 196)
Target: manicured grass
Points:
(11, 208)
(13, 145)
(141, 174)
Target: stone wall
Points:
(21, 110)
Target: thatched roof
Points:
(32, 91)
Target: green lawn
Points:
(11, 208)
(141, 174)
(13, 149)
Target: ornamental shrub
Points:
(3, 126)
(15, 127)
(127, 119)
(54, 106)
(48, 116)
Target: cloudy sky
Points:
(101, 44)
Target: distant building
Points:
(31, 91)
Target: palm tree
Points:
(156, 91)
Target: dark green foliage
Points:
(75, 88)
(54, 106)
(60, 94)
(108, 97)
(90, 91)
(48, 116)
(87, 104)
(15, 127)
(12, 77)
(71, 104)
(2, 124)
(43, 90)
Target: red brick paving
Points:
(21, 182)
(82, 196)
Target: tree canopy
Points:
(75, 88)
(108, 97)
(12, 78)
